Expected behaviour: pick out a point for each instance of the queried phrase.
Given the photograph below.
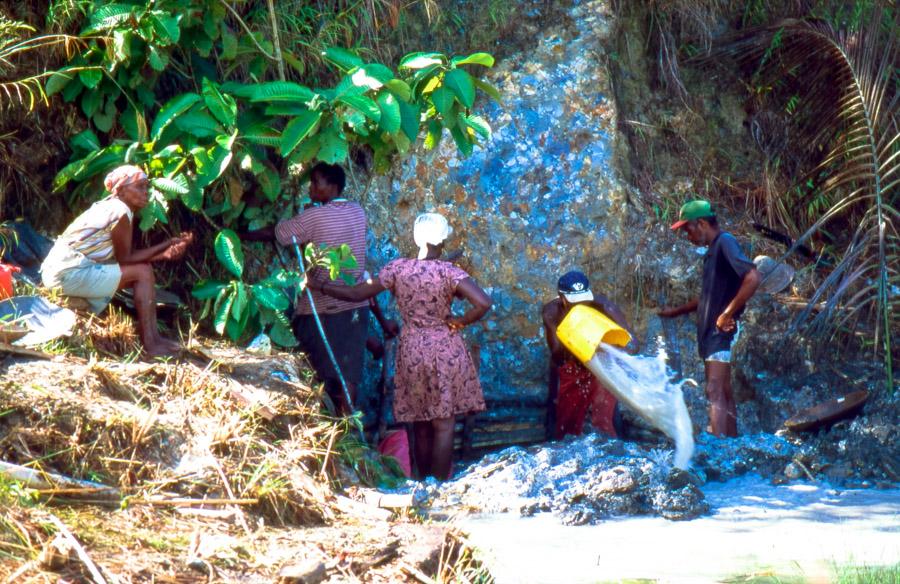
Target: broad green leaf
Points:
(228, 250)
(461, 84)
(104, 120)
(241, 301)
(177, 185)
(270, 297)
(198, 123)
(173, 108)
(57, 81)
(390, 112)
(134, 124)
(90, 77)
(361, 78)
(480, 125)
(166, 27)
(282, 335)
(262, 134)
(109, 16)
(72, 90)
(399, 88)
(462, 140)
(298, 129)
(229, 43)
(378, 71)
(364, 105)
(343, 58)
(485, 59)
(85, 142)
(90, 102)
(220, 158)
(287, 109)
(235, 328)
(357, 122)
(193, 199)
(220, 105)
(222, 308)
(421, 75)
(306, 151)
(154, 211)
(430, 85)
(410, 119)
(157, 59)
(270, 182)
(421, 60)
(207, 289)
(349, 88)
(443, 99)
(433, 138)
(122, 44)
(488, 89)
(295, 63)
(278, 91)
(332, 147)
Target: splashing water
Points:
(642, 383)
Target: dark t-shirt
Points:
(724, 268)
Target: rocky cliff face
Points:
(548, 194)
(541, 198)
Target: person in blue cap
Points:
(729, 280)
(573, 389)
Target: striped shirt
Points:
(332, 224)
(91, 232)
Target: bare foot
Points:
(162, 347)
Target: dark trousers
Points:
(346, 333)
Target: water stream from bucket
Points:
(642, 383)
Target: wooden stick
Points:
(46, 480)
(189, 502)
(79, 550)
(416, 573)
(7, 348)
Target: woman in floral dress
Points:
(435, 378)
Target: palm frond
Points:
(846, 122)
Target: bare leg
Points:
(718, 391)
(140, 278)
(423, 434)
(442, 449)
(731, 406)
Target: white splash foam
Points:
(642, 383)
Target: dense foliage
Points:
(171, 86)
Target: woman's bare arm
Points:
(478, 298)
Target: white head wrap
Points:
(121, 176)
(430, 228)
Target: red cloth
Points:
(579, 390)
(396, 445)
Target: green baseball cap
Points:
(693, 210)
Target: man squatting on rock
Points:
(573, 389)
(330, 220)
(729, 280)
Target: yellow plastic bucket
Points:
(584, 328)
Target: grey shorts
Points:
(726, 356)
(80, 277)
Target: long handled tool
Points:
(312, 305)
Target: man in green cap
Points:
(729, 280)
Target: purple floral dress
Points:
(435, 376)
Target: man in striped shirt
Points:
(332, 221)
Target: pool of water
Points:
(798, 530)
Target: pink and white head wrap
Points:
(122, 176)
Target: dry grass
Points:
(220, 424)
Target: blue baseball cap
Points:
(575, 287)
